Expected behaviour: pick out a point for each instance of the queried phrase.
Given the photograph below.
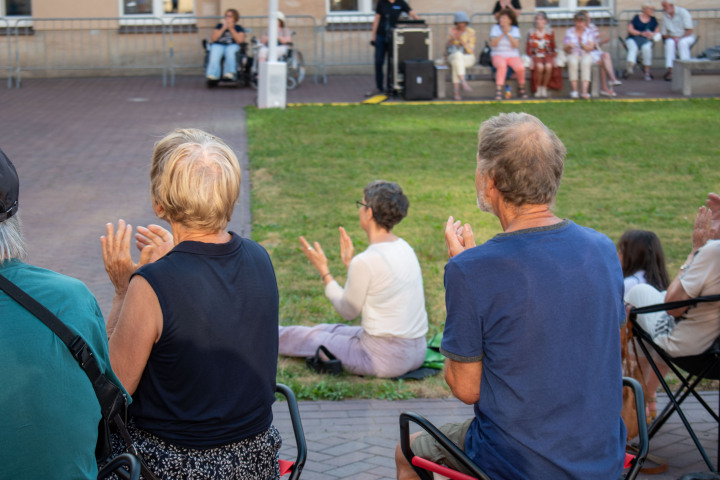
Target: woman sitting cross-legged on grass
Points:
(384, 283)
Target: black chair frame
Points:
(460, 456)
(698, 367)
(285, 391)
(126, 466)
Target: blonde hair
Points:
(195, 180)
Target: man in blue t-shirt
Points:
(532, 330)
(49, 412)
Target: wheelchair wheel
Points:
(295, 69)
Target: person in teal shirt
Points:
(49, 413)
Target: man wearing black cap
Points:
(49, 413)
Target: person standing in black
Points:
(387, 13)
(512, 4)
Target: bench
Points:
(482, 81)
(700, 76)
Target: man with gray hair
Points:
(532, 331)
(677, 29)
(49, 412)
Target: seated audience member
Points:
(641, 30)
(504, 42)
(226, 39)
(642, 260)
(50, 412)
(540, 47)
(384, 284)
(603, 59)
(461, 51)
(698, 276)
(284, 39)
(676, 28)
(579, 42)
(193, 333)
(513, 5)
(528, 333)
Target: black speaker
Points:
(419, 79)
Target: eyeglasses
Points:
(359, 204)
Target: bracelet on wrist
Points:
(323, 276)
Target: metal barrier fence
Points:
(185, 36)
(6, 62)
(707, 32)
(51, 45)
(340, 44)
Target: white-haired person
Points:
(49, 412)
(193, 331)
(578, 43)
(284, 38)
(641, 32)
(384, 285)
(461, 51)
(677, 28)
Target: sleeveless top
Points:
(210, 379)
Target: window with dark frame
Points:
(18, 8)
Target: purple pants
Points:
(360, 353)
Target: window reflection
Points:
(343, 5)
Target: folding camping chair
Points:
(698, 367)
(423, 466)
(294, 468)
(118, 466)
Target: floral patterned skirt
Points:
(253, 458)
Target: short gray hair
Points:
(522, 156)
(12, 241)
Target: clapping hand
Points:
(701, 230)
(713, 203)
(347, 251)
(315, 255)
(116, 255)
(155, 239)
(458, 237)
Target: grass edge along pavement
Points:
(646, 165)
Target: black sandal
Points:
(522, 93)
(498, 93)
(317, 363)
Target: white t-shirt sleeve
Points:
(495, 31)
(349, 301)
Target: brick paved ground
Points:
(82, 149)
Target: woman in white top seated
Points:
(384, 284)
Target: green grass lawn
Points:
(646, 165)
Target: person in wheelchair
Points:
(284, 40)
(226, 39)
(698, 276)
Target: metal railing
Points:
(185, 36)
(52, 45)
(170, 46)
(6, 62)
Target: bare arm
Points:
(702, 232)
(413, 15)
(138, 328)
(238, 37)
(217, 33)
(464, 380)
